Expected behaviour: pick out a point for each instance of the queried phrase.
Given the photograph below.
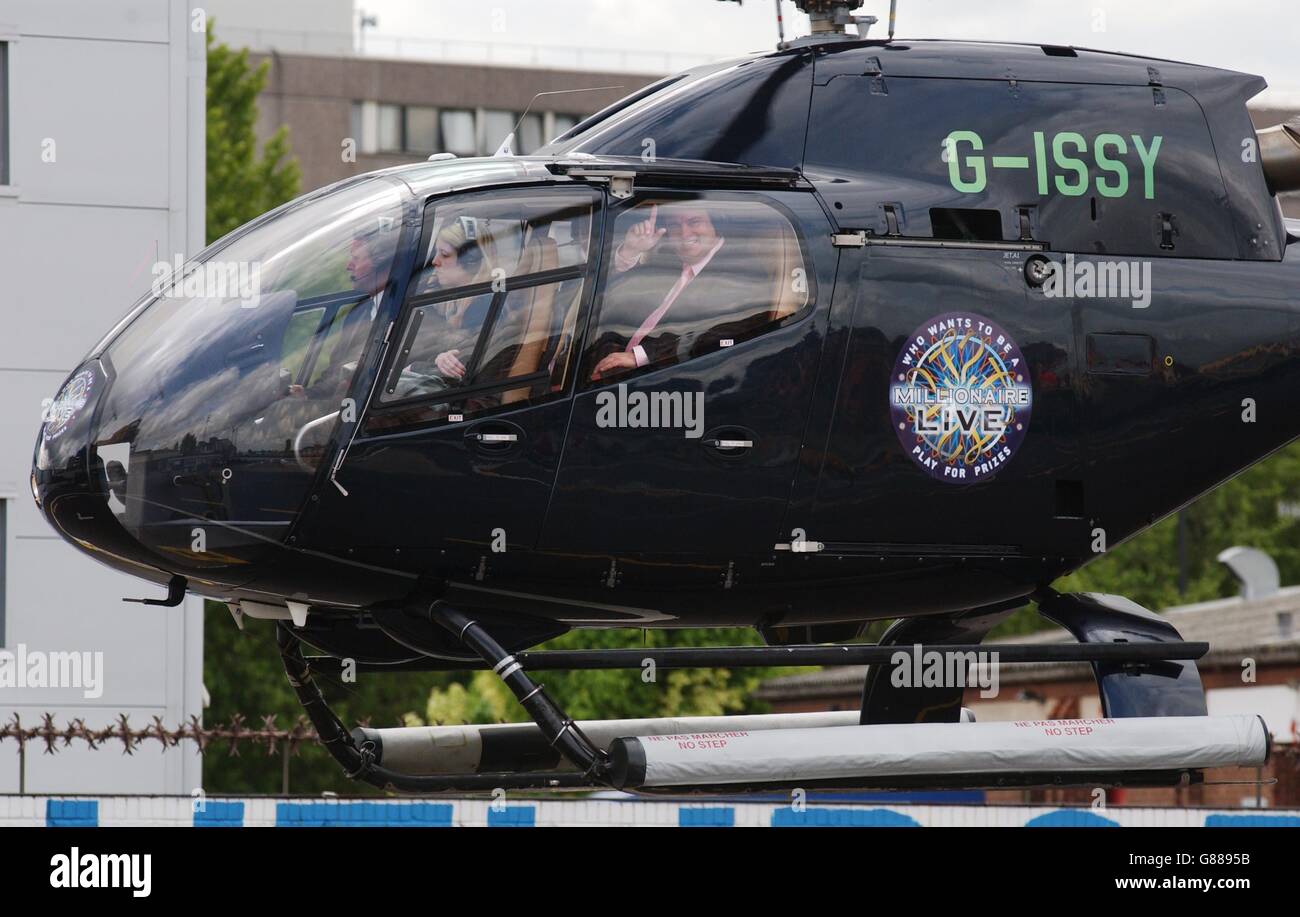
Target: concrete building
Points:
(101, 176)
(300, 26)
(348, 115)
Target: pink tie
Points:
(653, 319)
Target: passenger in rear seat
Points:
(444, 345)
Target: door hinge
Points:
(621, 183)
(849, 239)
(1157, 85)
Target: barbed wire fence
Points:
(230, 736)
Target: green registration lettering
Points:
(1069, 163)
(1040, 160)
(1106, 164)
(1148, 158)
(975, 163)
(1064, 170)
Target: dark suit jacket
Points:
(727, 299)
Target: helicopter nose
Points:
(63, 470)
(59, 465)
(153, 513)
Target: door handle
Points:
(494, 438)
(729, 442)
(725, 444)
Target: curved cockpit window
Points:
(226, 390)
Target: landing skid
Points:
(1145, 672)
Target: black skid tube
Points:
(358, 761)
(561, 732)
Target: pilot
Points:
(664, 295)
(370, 255)
(462, 255)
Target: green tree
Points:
(244, 678)
(1250, 510)
(615, 693)
(241, 184)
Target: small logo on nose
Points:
(71, 399)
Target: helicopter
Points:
(854, 330)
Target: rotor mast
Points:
(830, 19)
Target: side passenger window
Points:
(494, 304)
(688, 277)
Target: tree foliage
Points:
(1256, 509)
(241, 184)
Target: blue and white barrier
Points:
(226, 812)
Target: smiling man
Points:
(675, 276)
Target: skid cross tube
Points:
(850, 654)
(358, 760)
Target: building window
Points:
(389, 138)
(381, 127)
(562, 124)
(531, 133)
(458, 135)
(421, 130)
(497, 126)
(4, 166)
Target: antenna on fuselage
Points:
(507, 147)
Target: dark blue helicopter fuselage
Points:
(918, 181)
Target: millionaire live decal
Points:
(70, 400)
(960, 397)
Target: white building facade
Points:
(102, 130)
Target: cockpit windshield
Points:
(243, 366)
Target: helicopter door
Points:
(459, 448)
(696, 377)
(954, 414)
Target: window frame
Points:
(403, 330)
(331, 305)
(642, 194)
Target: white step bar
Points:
(920, 750)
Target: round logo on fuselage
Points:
(960, 397)
(71, 399)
